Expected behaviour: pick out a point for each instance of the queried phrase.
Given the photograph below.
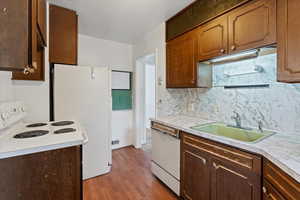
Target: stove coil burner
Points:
(31, 134)
(36, 125)
(65, 130)
(62, 123)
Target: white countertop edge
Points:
(41, 149)
(234, 143)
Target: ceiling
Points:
(121, 20)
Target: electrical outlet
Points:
(191, 107)
(114, 142)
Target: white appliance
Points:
(18, 138)
(84, 94)
(166, 158)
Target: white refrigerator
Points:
(84, 94)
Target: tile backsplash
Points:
(277, 106)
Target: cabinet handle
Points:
(264, 189)
(222, 51)
(4, 10)
(202, 159)
(29, 70)
(233, 47)
(34, 65)
(269, 195)
(215, 166)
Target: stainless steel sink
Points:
(244, 135)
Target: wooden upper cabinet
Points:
(212, 39)
(42, 20)
(63, 36)
(252, 25)
(15, 34)
(182, 62)
(288, 40)
(36, 53)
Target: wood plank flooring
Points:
(130, 179)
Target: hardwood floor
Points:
(130, 179)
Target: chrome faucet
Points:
(237, 119)
(260, 126)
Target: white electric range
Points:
(19, 138)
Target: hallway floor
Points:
(130, 179)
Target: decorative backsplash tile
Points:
(278, 106)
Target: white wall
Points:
(151, 43)
(99, 52)
(117, 56)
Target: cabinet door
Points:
(47, 175)
(195, 177)
(212, 39)
(181, 62)
(14, 34)
(284, 184)
(63, 36)
(288, 39)
(36, 55)
(232, 182)
(270, 193)
(252, 25)
(42, 20)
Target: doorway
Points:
(145, 99)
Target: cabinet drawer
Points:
(270, 193)
(287, 186)
(240, 158)
(165, 129)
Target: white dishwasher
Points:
(166, 155)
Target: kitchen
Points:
(226, 118)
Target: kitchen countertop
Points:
(281, 149)
(10, 147)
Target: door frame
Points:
(139, 97)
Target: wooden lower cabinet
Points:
(231, 182)
(270, 193)
(49, 175)
(195, 179)
(278, 185)
(212, 171)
